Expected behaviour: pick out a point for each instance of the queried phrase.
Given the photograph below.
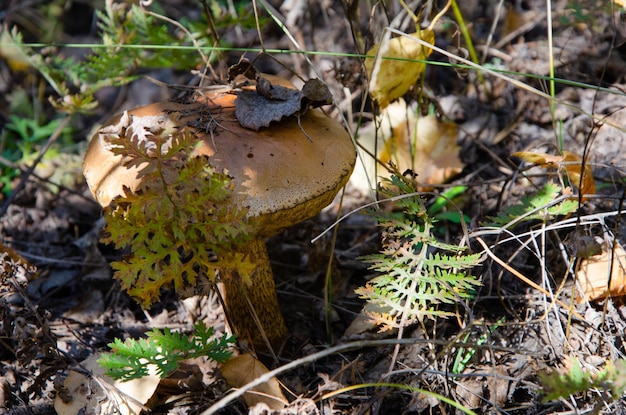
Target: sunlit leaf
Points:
(569, 162)
(573, 164)
(245, 368)
(596, 271)
(396, 67)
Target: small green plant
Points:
(164, 349)
(576, 380)
(132, 39)
(539, 206)
(415, 276)
(23, 137)
(443, 208)
(465, 354)
(176, 227)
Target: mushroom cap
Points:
(279, 174)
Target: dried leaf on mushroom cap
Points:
(254, 110)
(316, 93)
(241, 68)
(258, 108)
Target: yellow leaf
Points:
(424, 144)
(394, 71)
(573, 165)
(541, 159)
(593, 275)
(570, 162)
(11, 52)
(245, 368)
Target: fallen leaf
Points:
(583, 246)
(271, 102)
(244, 67)
(363, 322)
(254, 111)
(541, 159)
(573, 164)
(89, 309)
(316, 93)
(394, 69)
(97, 394)
(593, 275)
(277, 93)
(425, 145)
(245, 368)
(570, 162)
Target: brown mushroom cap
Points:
(281, 176)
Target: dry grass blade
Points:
(526, 279)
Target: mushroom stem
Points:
(252, 308)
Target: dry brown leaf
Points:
(427, 146)
(394, 70)
(572, 163)
(593, 275)
(363, 322)
(99, 395)
(245, 368)
(271, 102)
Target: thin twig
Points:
(340, 348)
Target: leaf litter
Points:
(42, 225)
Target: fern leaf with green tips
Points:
(414, 278)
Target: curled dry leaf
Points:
(254, 110)
(245, 368)
(273, 98)
(396, 67)
(427, 146)
(99, 395)
(596, 271)
(270, 102)
(570, 162)
(244, 68)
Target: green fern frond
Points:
(437, 260)
(165, 349)
(415, 279)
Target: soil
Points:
(59, 303)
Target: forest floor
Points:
(59, 303)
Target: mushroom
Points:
(280, 174)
